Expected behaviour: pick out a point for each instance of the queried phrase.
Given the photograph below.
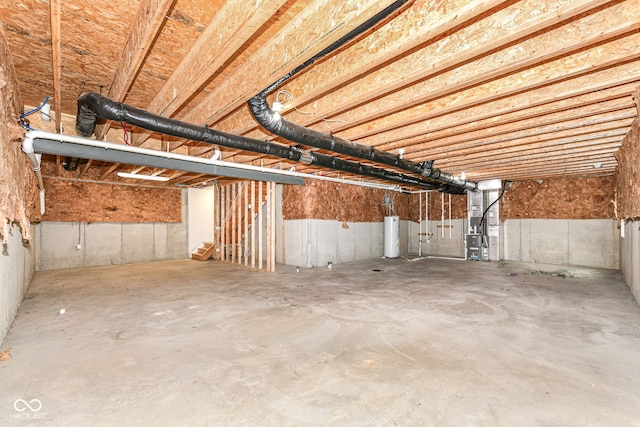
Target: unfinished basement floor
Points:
(378, 343)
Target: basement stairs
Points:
(203, 252)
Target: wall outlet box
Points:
(78, 246)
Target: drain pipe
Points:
(277, 125)
(27, 147)
(92, 105)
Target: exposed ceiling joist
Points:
(288, 49)
(231, 28)
(495, 88)
(148, 20)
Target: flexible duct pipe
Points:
(27, 147)
(92, 105)
(277, 125)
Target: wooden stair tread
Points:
(203, 252)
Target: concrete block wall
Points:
(451, 245)
(630, 256)
(312, 243)
(580, 242)
(17, 267)
(109, 243)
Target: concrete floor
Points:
(422, 343)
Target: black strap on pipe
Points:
(92, 105)
(265, 117)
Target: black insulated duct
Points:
(299, 134)
(265, 116)
(92, 105)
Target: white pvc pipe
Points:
(420, 226)
(27, 147)
(446, 257)
(450, 223)
(442, 214)
(31, 135)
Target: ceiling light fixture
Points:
(139, 176)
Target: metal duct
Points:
(92, 105)
(265, 116)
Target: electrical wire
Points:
(38, 108)
(125, 137)
(483, 221)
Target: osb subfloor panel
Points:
(430, 342)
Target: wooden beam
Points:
(471, 163)
(246, 223)
(269, 221)
(609, 67)
(260, 224)
(56, 47)
(468, 149)
(254, 225)
(187, 179)
(223, 220)
(291, 47)
(85, 168)
(144, 29)
(578, 121)
(461, 124)
(227, 222)
(229, 30)
(216, 221)
(109, 170)
(240, 223)
(386, 45)
(234, 218)
(545, 157)
(376, 106)
(557, 169)
(528, 153)
(272, 204)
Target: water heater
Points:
(391, 236)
